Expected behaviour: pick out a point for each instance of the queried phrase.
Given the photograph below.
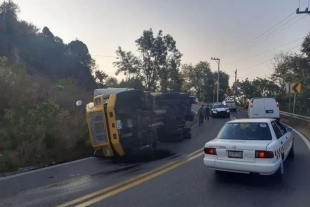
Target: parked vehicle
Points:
(194, 99)
(231, 104)
(219, 110)
(263, 108)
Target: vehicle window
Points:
(245, 131)
(276, 130)
(282, 128)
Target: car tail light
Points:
(210, 151)
(277, 104)
(251, 105)
(264, 154)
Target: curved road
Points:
(180, 179)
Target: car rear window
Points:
(245, 131)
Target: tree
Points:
(111, 82)
(203, 81)
(135, 83)
(196, 77)
(295, 68)
(157, 64)
(100, 77)
(47, 33)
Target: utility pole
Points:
(302, 12)
(235, 84)
(218, 77)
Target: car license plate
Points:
(269, 111)
(234, 154)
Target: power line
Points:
(264, 32)
(272, 34)
(271, 50)
(270, 58)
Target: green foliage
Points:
(202, 80)
(111, 82)
(295, 68)
(22, 43)
(259, 87)
(157, 64)
(39, 123)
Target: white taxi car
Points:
(250, 146)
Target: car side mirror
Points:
(288, 129)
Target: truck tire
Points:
(187, 136)
(172, 95)
(175, 132)
(189, 117)
(186, 130)
(180, 138)
(170, 102)
(184, 96)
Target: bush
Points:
(39, 122)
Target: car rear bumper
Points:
(242, 167)
(221, 114)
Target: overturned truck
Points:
(125, 121)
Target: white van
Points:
(263, 108)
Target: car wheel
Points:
(291, 154)
(280, 172)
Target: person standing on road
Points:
(201, 114)
(207, 112)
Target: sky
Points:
(236, 31)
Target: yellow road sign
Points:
(295, 87)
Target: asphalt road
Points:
(182, 181)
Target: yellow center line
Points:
(137, 182)
(96, 193)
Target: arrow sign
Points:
(295, 87)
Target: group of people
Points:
(203, 114)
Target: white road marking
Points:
(45, 168)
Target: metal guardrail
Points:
(305, 118)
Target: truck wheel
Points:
(179, 138)
(173, 95)
(170, 102)
(187, 136)
(186, 130)
(183, 96)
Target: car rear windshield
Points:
(245, 131)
